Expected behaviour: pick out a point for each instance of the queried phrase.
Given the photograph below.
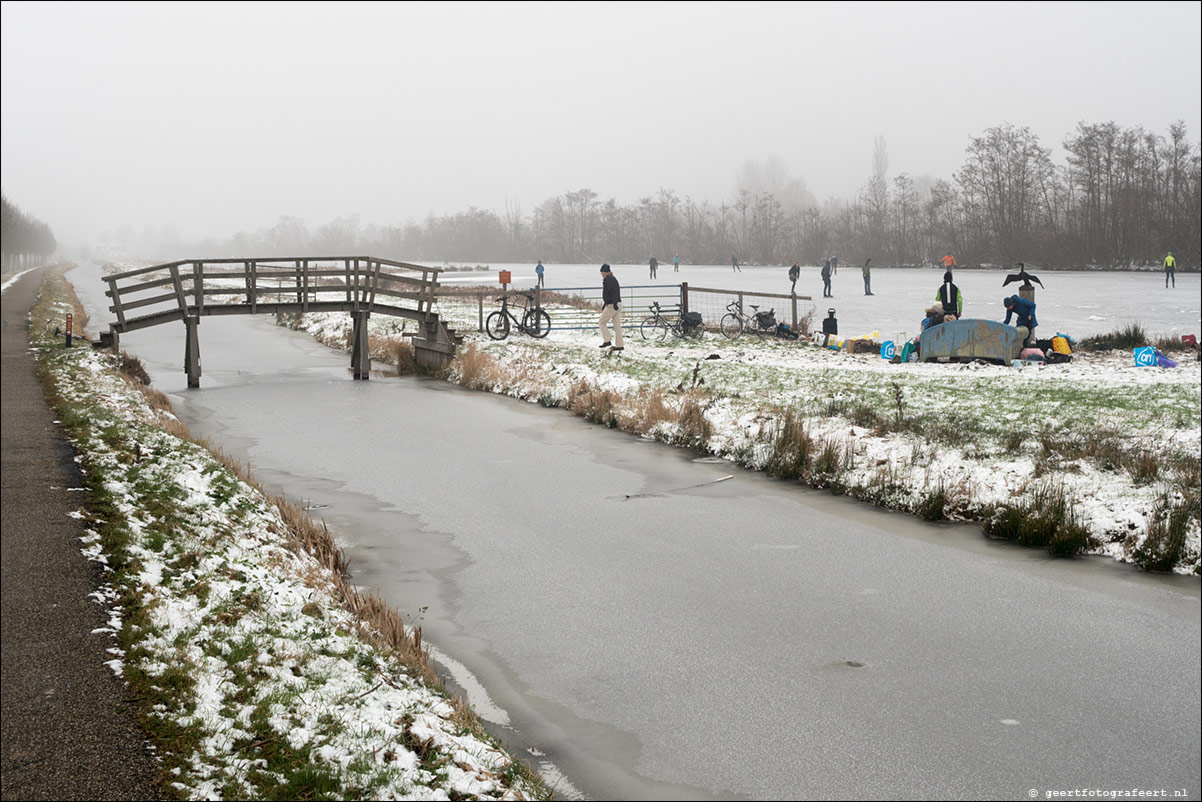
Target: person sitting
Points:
(950, 298)
(934, 316)
(1024, 313)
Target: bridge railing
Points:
(190, 288)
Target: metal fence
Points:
(711, 303)
(578, 308)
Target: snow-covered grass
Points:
(259, 672)
(1117, 444)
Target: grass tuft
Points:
(1168, 526)
(1045, 518)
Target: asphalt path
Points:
(67, 730)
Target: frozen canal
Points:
(621, 615)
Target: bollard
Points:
(70, 317)
(829, 326)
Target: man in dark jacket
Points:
(950, 298)
(611, 309)
(1024, 312)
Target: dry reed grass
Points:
(695, 428)
(474, 369)
(395, 351)
(654, 410)
(156, 399)
(133, 370)
(593, 404)
(792, 448)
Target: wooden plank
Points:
(198, 286)
(135, 323)
(179, 287)
(143, 286)
(115, 294)
(375, 283)
(157, 299)
(142, 270)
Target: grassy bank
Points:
(257, 669)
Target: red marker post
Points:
(70, 317)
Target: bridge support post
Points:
(360, 352)
(192, 351)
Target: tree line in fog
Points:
(1122, 197)
(24, 240)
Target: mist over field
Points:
(156, 129)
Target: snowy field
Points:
(1080, 304)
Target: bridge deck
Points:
(359, 285)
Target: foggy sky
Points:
(222, 117)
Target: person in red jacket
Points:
(948, 261)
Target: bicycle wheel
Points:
(537, 323)
(653, 328)
(731, 325)
(497, 325)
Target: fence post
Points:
(684, 298)
(794, 311)
(115, 294)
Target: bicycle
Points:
(758, 323)
(656, 326)
(536, 322)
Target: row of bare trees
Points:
(1121, 197)
(25, 240)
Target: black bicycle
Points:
(656, 327)
(536, 322)
(735, 322)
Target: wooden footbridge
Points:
(359, 285)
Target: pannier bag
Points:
(766, 320)
(691, 321)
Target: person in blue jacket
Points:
(1024, 313)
